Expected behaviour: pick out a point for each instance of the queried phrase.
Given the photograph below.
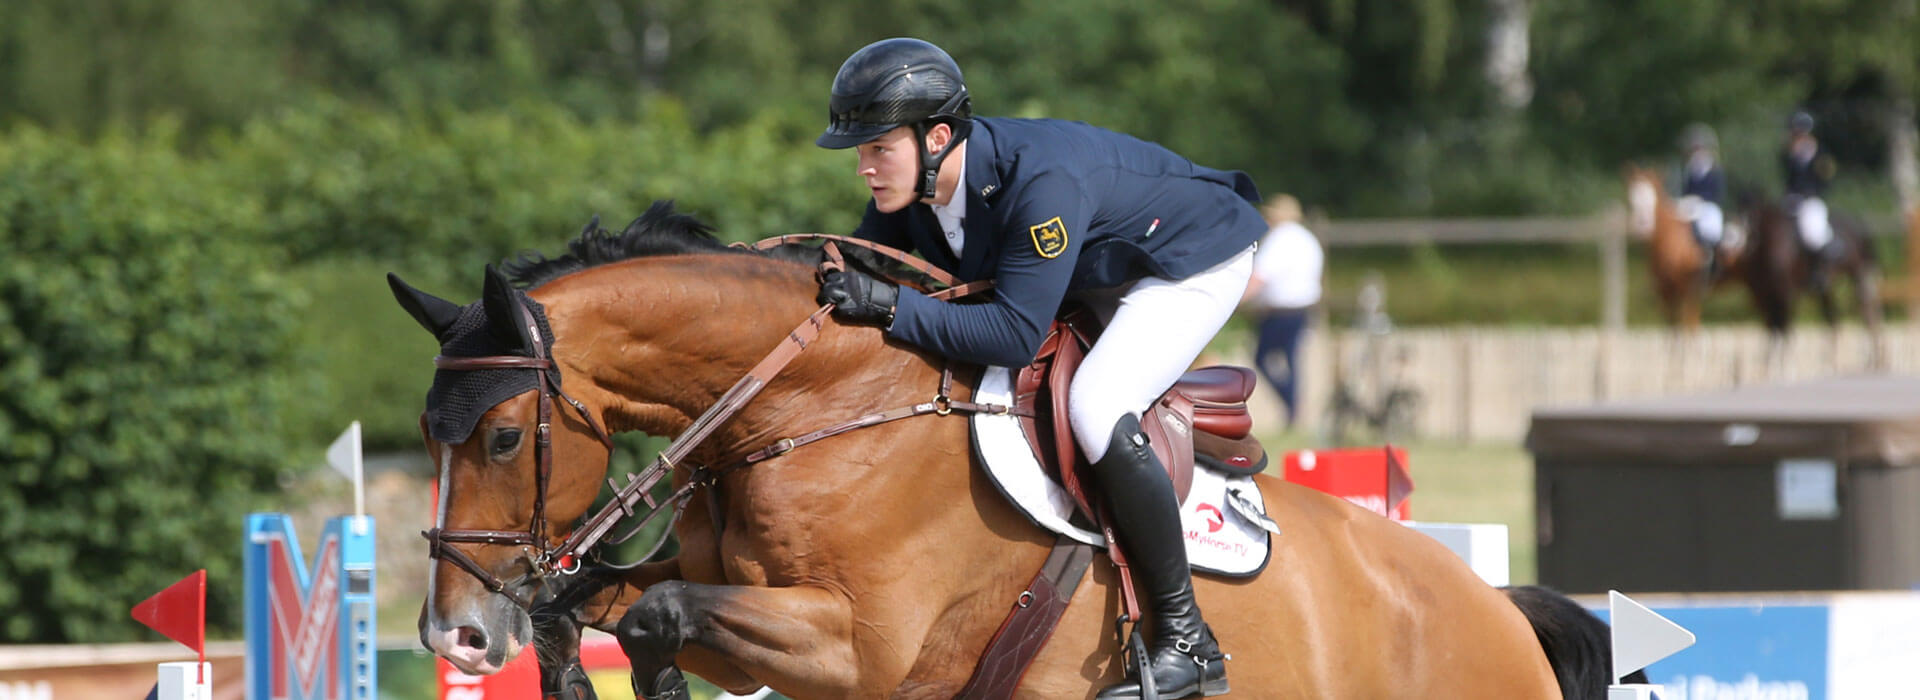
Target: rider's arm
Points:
(1032, 277)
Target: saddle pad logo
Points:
(1050, 238)
(1215, 519)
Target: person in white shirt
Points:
(1282, 293)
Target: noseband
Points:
(545, 559)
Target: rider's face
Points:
(890, 164)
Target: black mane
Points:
(662, 231)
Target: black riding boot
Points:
(1185, 658)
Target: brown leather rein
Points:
(545, 559)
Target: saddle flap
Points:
(1204, 413)
(1041, 400)
(1169, 429)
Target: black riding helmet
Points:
(893, 83)
(1800, 121)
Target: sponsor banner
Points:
(1843, 646)
(1747, 653)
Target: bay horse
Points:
(1779, 270)
(1679, 267)
(875, 563)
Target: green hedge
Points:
(440, 191)
(144, 356)
(352, 194)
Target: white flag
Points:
(1641, 636)
(344, 454)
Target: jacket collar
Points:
(983, 172)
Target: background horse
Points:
(879, 562)
(1679, 267)
(1778, 271)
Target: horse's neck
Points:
(1668, 227)
(662, 339)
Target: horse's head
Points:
(1643, 199)
(502, 505)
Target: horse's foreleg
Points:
(799, 639)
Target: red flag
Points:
(179, 612)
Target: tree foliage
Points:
(143, 346)
(1367, 106)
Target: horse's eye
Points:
(505, 441)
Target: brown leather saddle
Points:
(1202, 420)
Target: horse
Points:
(1779, 270)
(874, 563)
(1679, 267)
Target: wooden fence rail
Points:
(1482, 384)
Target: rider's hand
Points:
(858, 297)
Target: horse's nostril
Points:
(472, 638)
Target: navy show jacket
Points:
(1055, 206)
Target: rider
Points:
(1703, 188)
(1808, 170)
(1159, 247)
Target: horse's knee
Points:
(656, 625)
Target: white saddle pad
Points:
(1225, 517)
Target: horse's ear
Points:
(500, 300)
(434, 314)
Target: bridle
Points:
(545, 559)
(534, 538)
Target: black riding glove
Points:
(858, 298)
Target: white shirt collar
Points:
(955, 210)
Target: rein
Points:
(547, 560)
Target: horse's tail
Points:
(1578, 645)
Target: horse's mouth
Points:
(478, 645)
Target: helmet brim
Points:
(848, 137)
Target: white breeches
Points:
(1814, 228)
(1154, 330)
(1706, 217)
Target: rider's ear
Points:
(502, 304)
(434, 314)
